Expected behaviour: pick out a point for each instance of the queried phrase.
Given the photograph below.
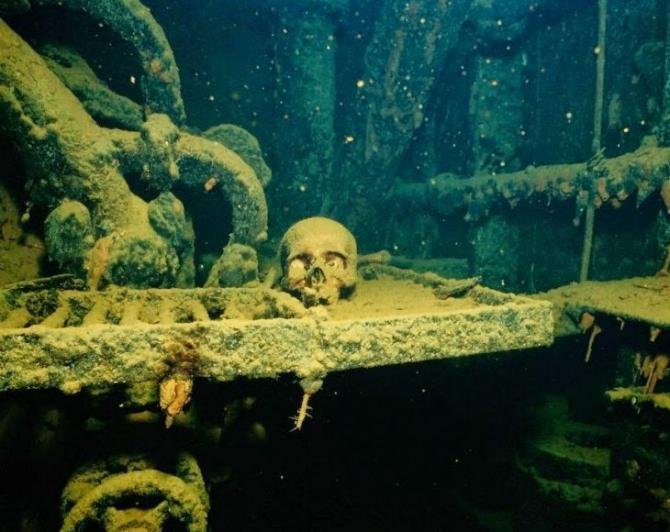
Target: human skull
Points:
(318, 259)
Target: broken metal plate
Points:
(69, 339)
(639, 299)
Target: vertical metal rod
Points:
(664, 129)
(589, 223)
(600, 77)
(597, 134)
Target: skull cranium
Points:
(318, 259)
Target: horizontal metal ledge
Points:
(70, 358)
(638, 299)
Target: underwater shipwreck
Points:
(335, 265)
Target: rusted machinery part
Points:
(181, 497)
(51, 128)
(103, 104)
(98, 505)
(200, 159)
(611, 181)
(134, 23)
(163, 154)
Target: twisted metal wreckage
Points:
(70, 335)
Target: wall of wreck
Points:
(535, 246)
(235, 64)
(540, 246)
(562, 76)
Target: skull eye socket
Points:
(335, 260)
(297, 268)
(305, 259)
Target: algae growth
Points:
(214, 216)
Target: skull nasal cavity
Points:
(316, 276)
